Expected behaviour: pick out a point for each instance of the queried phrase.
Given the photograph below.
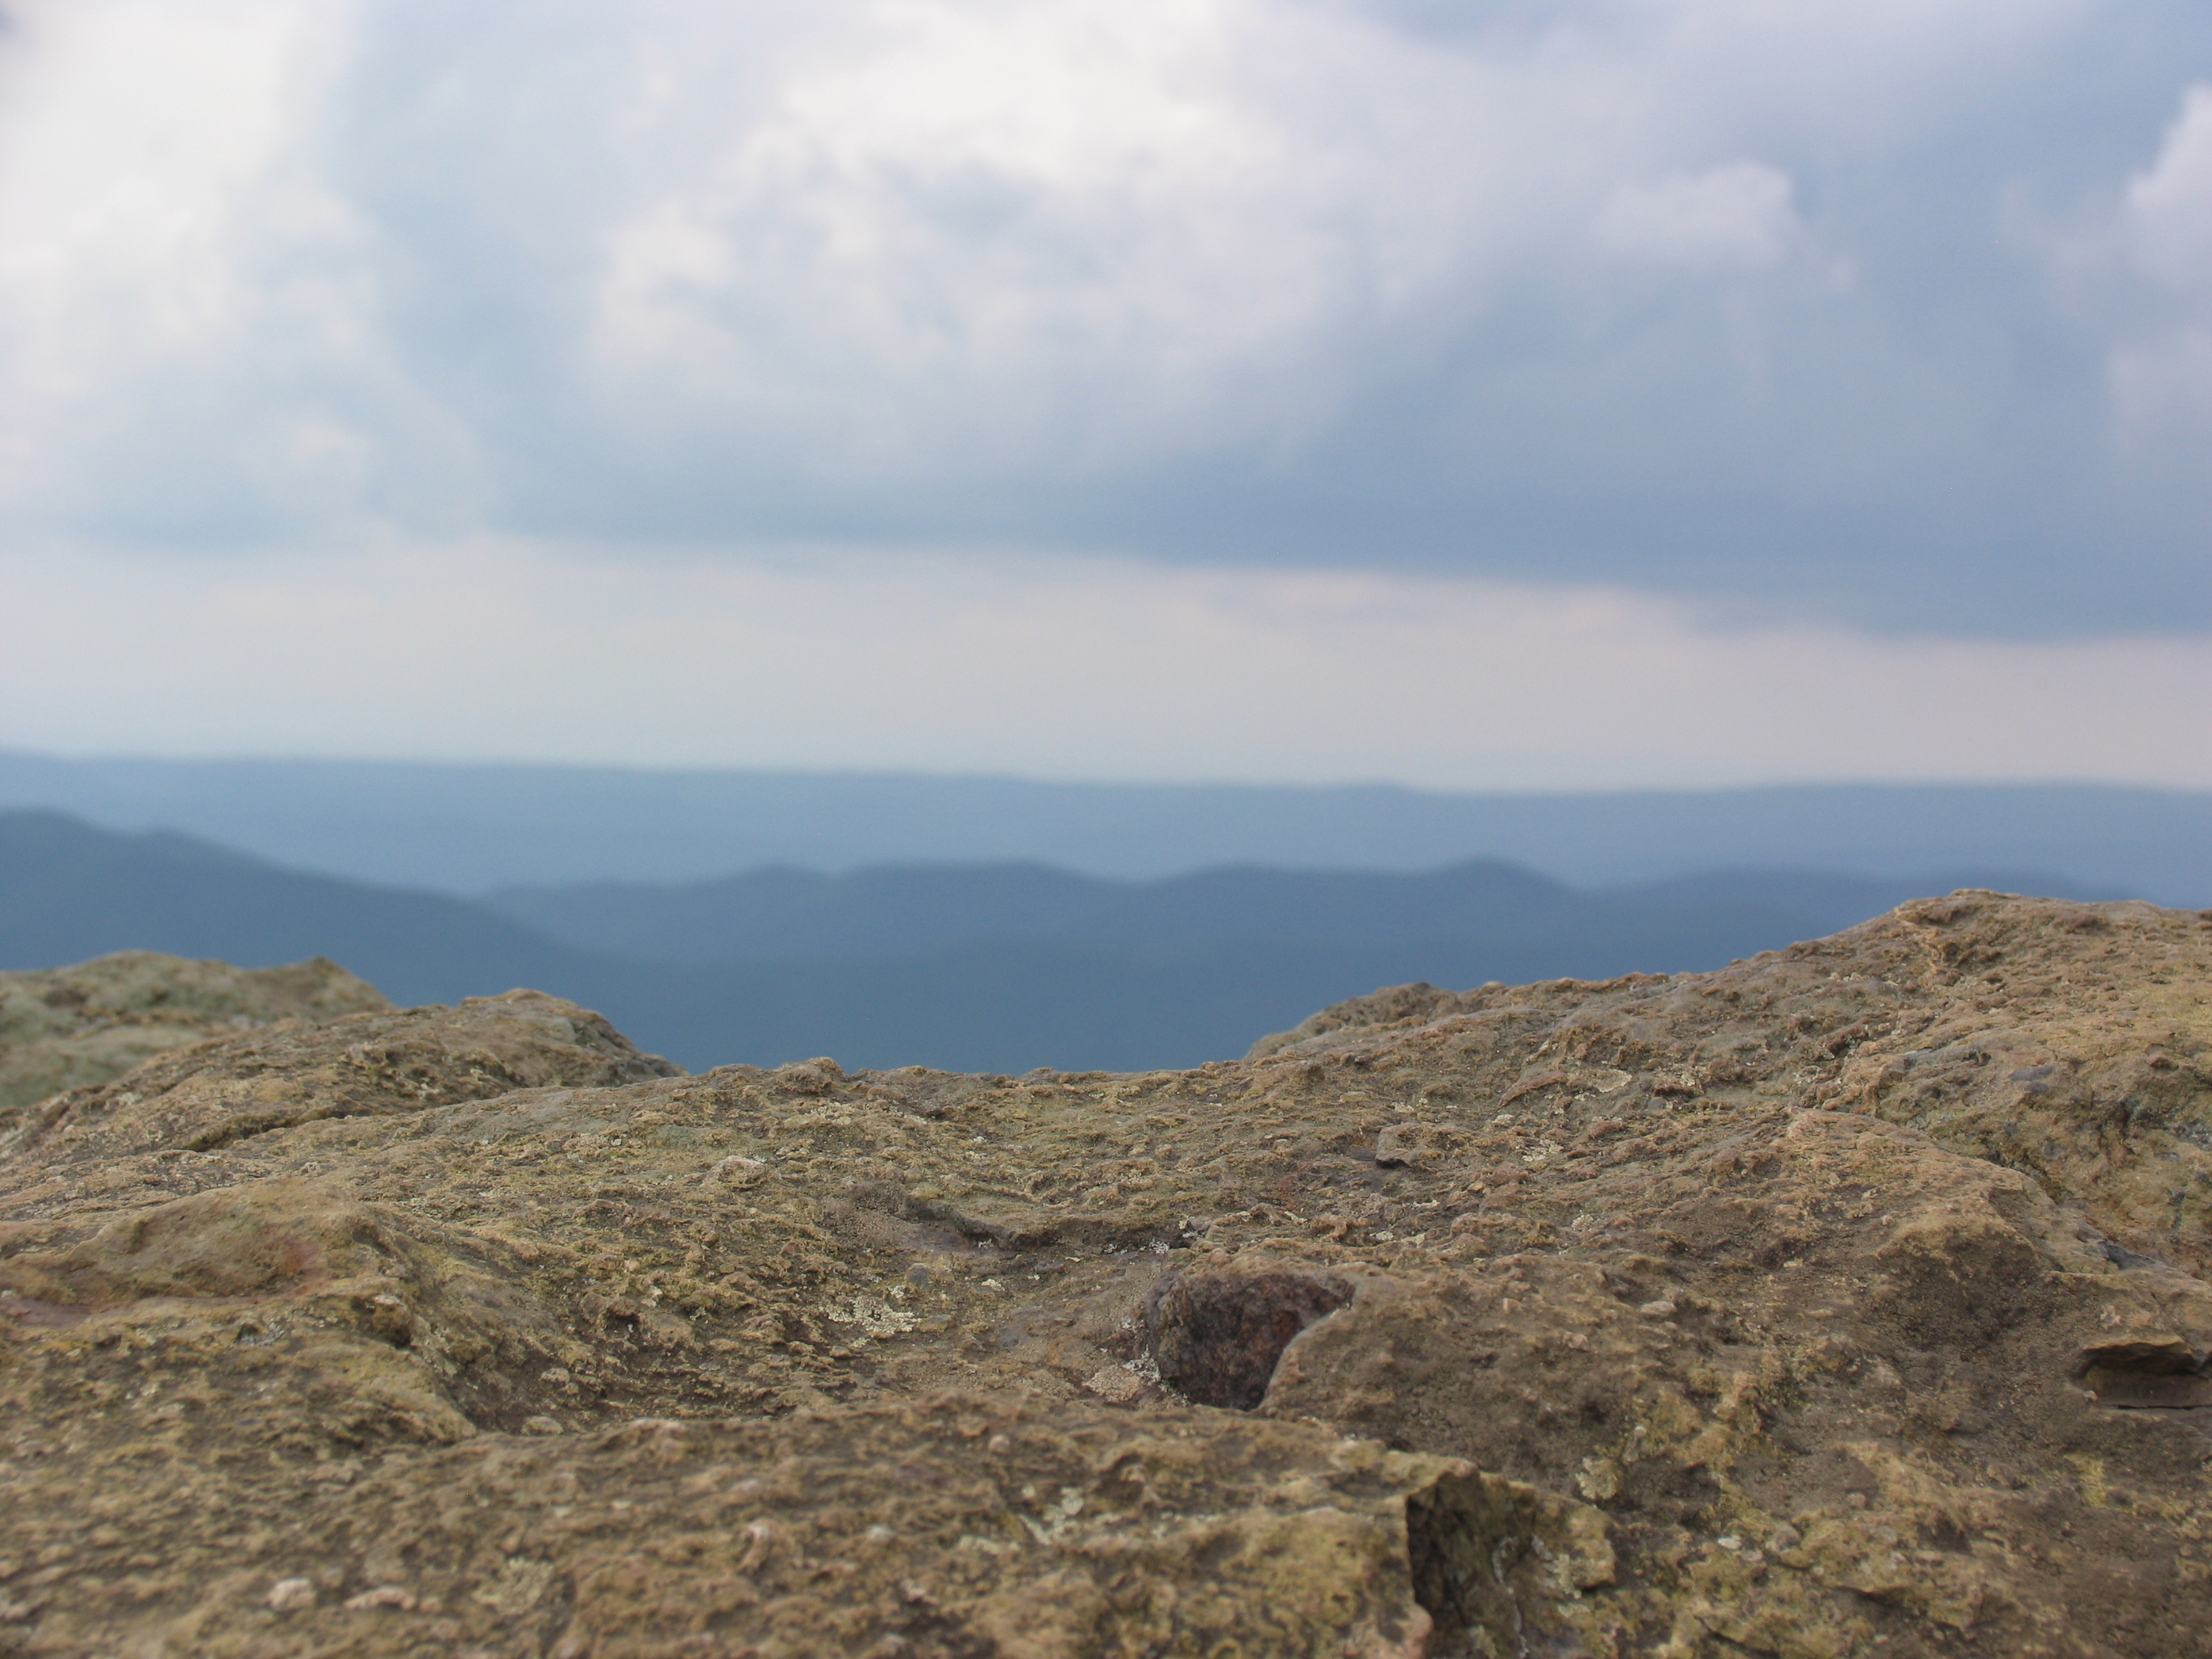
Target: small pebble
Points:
(1661, 1309)
(290, 1594)
(383, 1595)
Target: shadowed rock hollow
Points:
(1847, 1301)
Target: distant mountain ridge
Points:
(901, 910)
(471, 829)
(70, 890)
(886, 914)
(996, 969)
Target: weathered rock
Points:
(1684, 1316)
(229, 1088)
(65, 1028)
(2071, 1041)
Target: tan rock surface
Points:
(63, 1027)
(1841, 1303)
(393, 1060)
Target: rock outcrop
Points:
(1848, 1301)
(62, 1028)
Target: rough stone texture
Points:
(1844, 1302)
(64, 1028)
(2065, 1040)
(364, 1065)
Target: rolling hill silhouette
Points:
(996, 968)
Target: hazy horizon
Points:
(1350, 780)
(467, 829)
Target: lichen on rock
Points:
(66, 1028)
(1847, 1301)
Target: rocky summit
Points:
(89, 1023)
(1848, 1301)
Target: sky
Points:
(1492, 395)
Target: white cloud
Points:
(981, 213)
(188, 311)
(1739, 215)
(2162, 379)
(2169, 205)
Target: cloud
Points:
(2162, 378)
(2169, 205)
(1893, 312)
(1738, 216)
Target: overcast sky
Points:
(1494, 393)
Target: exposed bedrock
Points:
(63, 1027)
(1845, 1302)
